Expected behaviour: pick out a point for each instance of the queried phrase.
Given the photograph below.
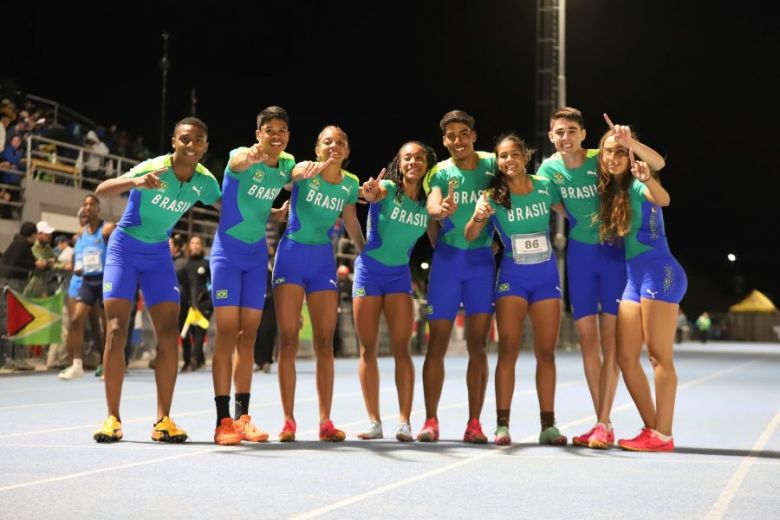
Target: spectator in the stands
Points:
(42, 251)
(6, 116)
(18, 261)
(10, 159)
(93, 161)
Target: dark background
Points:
(697, 80)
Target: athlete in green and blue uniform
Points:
(518, 208)
(462, 272)
(253, 179)
(161, 191)
(305, 266)
(595, 269)
(397, 217)
(631, 205)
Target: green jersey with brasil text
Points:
(247, 197)
(316, 204)
(528, 217)
(647, 232)
(469, 185)
(579, 192)
(151, 214)
(394, 226)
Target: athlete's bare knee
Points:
(545, 356)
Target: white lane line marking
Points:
(731, 489)
(102, 398)
(104, 470)
(390, 487)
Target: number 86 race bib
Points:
(531, 248)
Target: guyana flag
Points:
(34, 321)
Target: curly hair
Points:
(394, 170)
(499, 188)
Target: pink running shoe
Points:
(646, 441)
(582, 440)
(288, 431)
(601, 439)
(330, 433)
(430, 431)
(474, 433)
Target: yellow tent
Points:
(755, 302)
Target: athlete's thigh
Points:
(366, 311)
(399, 312)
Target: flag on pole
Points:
(194, 317)
(34, 321)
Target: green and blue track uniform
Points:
(138, 250)
(462, 271)
(305, 254)
(596, 271)
(239, 255)
(394, 225)
(653, 273)
(528, 268)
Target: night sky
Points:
(697, 85)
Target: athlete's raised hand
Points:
(255, 154)
(483, 210)
(448, 204)
(370, 188)
(149, 181)
(639, 169)
(622, 133)
(308, 169)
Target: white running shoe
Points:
(72, 372)
(374, 431)
(404, 432)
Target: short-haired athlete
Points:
(89, 265)
(253, 179)
(161, 191)
(595, 270)
(462, 271)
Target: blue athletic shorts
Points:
(460, 276)
(238, 272)
(655, 275)
(533, 282)
(313, 267)
(130, 261)
(597, 277)
(74, 286)
(91, 291)
(373, 278)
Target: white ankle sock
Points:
(665, 438)
(78, 363)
